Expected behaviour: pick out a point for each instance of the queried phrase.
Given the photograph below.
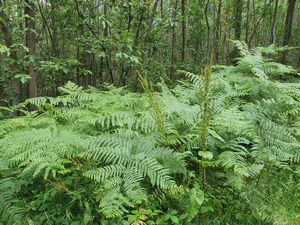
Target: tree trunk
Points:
(161, 8)
(247, 21)
(30, 43)
(183, 26)
(130, 16)
(273, 24)
(2, 102)
(238, 19)
(288, 26)
(173, 60)
(48, 30)
(218, 30)
(208, 30)
(108, 53)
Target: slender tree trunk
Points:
(238, 19)
(218, 30)
(54, 28)
(201, 36)
(2, 102)
(273, 24)
(105, 24)
(162, 8)
(237, 25)
(30, 43)
(2, 81)
(173, 60)
(130, 16)
(108, 54)
(152, 17)
(288, 26)
(78, 80)
(183, 26)
(153, 46)
(247, 21)
(48, 30)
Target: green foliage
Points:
(102, 134)
(254, 60)
(4, 50)
(120, 157)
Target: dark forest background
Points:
(45, 43)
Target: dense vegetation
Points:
(220, 147)
(45, 43)
(149, 112)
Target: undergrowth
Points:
(221, 147)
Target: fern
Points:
(11, 207)
(106, 152)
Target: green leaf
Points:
(235, 181)
(206, 155)
(216, 135)
(65, 70)
(4, 49)
(196, 199)
(23, 77)
(175, 219)
(87, 217)
(206, 209)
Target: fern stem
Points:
(204, 123)
(157, 115)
